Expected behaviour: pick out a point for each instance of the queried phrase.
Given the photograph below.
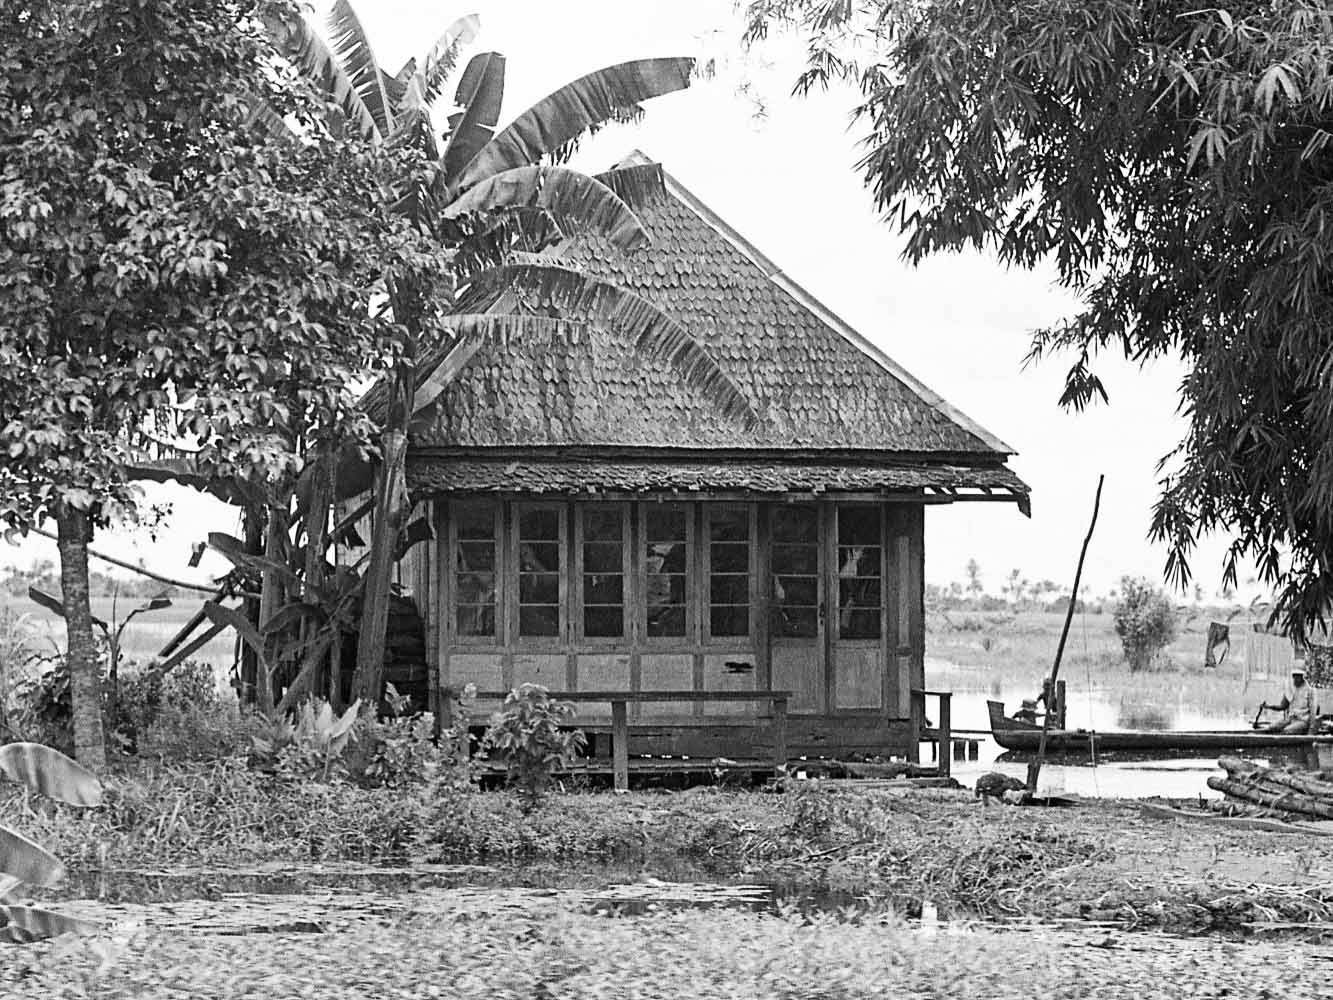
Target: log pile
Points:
(1253, 790)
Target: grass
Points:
(1101, 861)
(995, 653)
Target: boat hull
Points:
(1011, 734)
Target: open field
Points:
(998, 652)
(142, 639)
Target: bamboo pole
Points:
(1034, 768)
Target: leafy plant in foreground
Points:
(23, 862)
(313, 746)
(526, 732)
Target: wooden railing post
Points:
(917, 711)
(946, 733)
(779, 733)
(620, 743)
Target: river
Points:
(1112, 776)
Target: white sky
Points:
(788, 182)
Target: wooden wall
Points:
(850, 695)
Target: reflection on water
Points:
(1108, 776)
(1136, 716)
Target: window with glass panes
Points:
(539, 544)
(795, 566)
(728, 571)
(474, 569)
(666, 571)
(860, 561)
(604, 550)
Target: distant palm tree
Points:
(491, 195)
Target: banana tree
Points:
(486, 193)
(25, 863)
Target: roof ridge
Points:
(772, 272)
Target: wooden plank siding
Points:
(864, 685)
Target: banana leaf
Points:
(574, 200)
(50, 773)
(20, 858)
(25, 924)
(572, 110)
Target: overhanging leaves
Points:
(480, 93)
(574, 200)
(572, 110)
(563, 293)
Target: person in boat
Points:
(1297, 707)
(1028, 712)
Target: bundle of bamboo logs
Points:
(1254, 790)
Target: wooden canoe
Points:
(1012, 734)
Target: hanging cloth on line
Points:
(1267, 657)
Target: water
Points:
(1177, 777)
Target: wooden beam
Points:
(643, 696)
(620, 743)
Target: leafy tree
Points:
(973, 570)
(485, 194)
(1173, 160)
(1016, 585)
(171, 271)
(1145, 621)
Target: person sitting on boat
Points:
(1297, 706)
(1028, 713)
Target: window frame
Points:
(835, 601)
(500, 574)
(628, 593)
(705, 601)
(513, 571)
(817, 576)
(693, 560)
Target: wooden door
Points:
(855, 587)
(797, 600)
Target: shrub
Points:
(526, 732)
(1145, 621)
(400, 750)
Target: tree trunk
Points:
(74, 533)
(390, 510)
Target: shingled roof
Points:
(816, 384)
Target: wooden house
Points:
(599, 527)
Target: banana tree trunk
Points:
(74, 532)
(390, 512)
(249, 660)
(272, 596)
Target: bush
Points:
(1145, 621)
(526, 732)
